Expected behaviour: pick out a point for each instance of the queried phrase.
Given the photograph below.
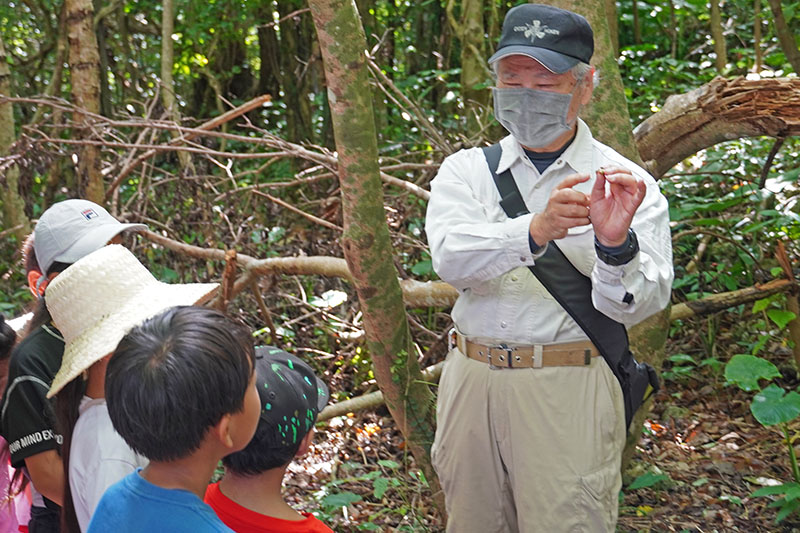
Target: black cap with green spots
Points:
(291, 395)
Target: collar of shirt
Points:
(576, 155)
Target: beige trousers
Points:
(529, 450)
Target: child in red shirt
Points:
(249, 499)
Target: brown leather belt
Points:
(536, 356)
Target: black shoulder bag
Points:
(573, 291)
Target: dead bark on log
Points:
(721, 110)
(725, 300)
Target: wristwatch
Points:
(618, 255)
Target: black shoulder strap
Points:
(510, 198)
(573, 291)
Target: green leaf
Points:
(774, 406)
(380, 486)
(388, 463)
(745, 370)
(647, 479)
(787, 509)
(700, 482)
(781, 318)
(423, 268)
(681, 358)
(733, 499)
(339, 499)
(772, 490)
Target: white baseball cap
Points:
(72, 229)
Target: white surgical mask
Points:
(535, 118)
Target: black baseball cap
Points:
(291, 395)
(556, 38)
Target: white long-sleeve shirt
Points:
(476, 248)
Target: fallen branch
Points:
(725, 300)
(372, 399)
(721, 110)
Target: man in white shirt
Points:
(537, 448)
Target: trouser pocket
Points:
(598, 499)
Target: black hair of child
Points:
(174, 377)
(258, 456)
(8, 337)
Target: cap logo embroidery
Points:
(89, 214)
(536, 30)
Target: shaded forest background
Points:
(210, 122)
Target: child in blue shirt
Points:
(180, 391)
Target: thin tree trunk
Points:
(366, 242)
(673, 31)
(720, 49)
(785, 35)
(84, 64)
(167, 82)
(13, 207)
(470, 31)
(613, 25)
(637, 27)
(757, 36)
(54, 87)
(100, 33)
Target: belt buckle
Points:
(503, 358)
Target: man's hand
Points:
(612, 212)
(566, 208)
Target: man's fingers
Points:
(572, 180)
(569, 196)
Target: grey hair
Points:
(580, 70)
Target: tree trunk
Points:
(366, 242)
(757, 36)
(607, 113)
(54, 87)
(12, 205)
(296, 36)
(84, 65)
(637, 28)
(167, 82)
(719, 111)
(268, 51)
(720, 49)
(785, 35)
(102, 50)
(613, 25)
(470, 31)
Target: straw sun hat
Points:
(99, 298)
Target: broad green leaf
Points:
(388, 463)
(423, 268)
(781, 318)
(774, 406)
(647, 479)
(745, 371)
(339, 499)
(380, 486)
(681, 358)
(761, 304)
